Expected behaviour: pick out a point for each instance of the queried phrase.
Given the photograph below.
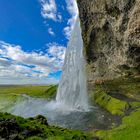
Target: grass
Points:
(34, 91)
(113, 105)
(10, 94)
(118, 95)
(128, 130)
(37, 128)
(126, 87)
(124, 101)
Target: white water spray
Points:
(72, 90)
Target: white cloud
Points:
(49, 10)
(51, 32)
(18, 64)
(73, 10)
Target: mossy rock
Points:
(113, 105)
(34, 129)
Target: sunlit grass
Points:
(35, 91)
(10, 94)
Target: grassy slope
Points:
(130, 89)
(113, 105)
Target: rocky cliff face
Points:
(111, 34)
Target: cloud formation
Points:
(18, 64)
(49, 10)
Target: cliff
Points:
(111, 34)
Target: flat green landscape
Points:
(31, 90)
(10, 94)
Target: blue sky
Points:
(33, 39)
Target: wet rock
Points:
(8, 127)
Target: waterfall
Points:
(72, 90)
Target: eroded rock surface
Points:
(111, 34)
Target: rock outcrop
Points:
(111, 34)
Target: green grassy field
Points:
(34, 91)
(10, 94)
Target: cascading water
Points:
(72, 90)
(71, 105)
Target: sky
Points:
(33, 38)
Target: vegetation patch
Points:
(113, 105)
(128, 130)
(129, 87)
(117, 96)
(10, 94)
(37, 128)
(120, 97)
(34, 91)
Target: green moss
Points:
(128, 130)
(106, 95)
(35, 138)
(113, 105)
(129, 87)
(117, 95)
(37, 129)
(56, 138)
(135, 104)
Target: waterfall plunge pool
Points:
(59, 115)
